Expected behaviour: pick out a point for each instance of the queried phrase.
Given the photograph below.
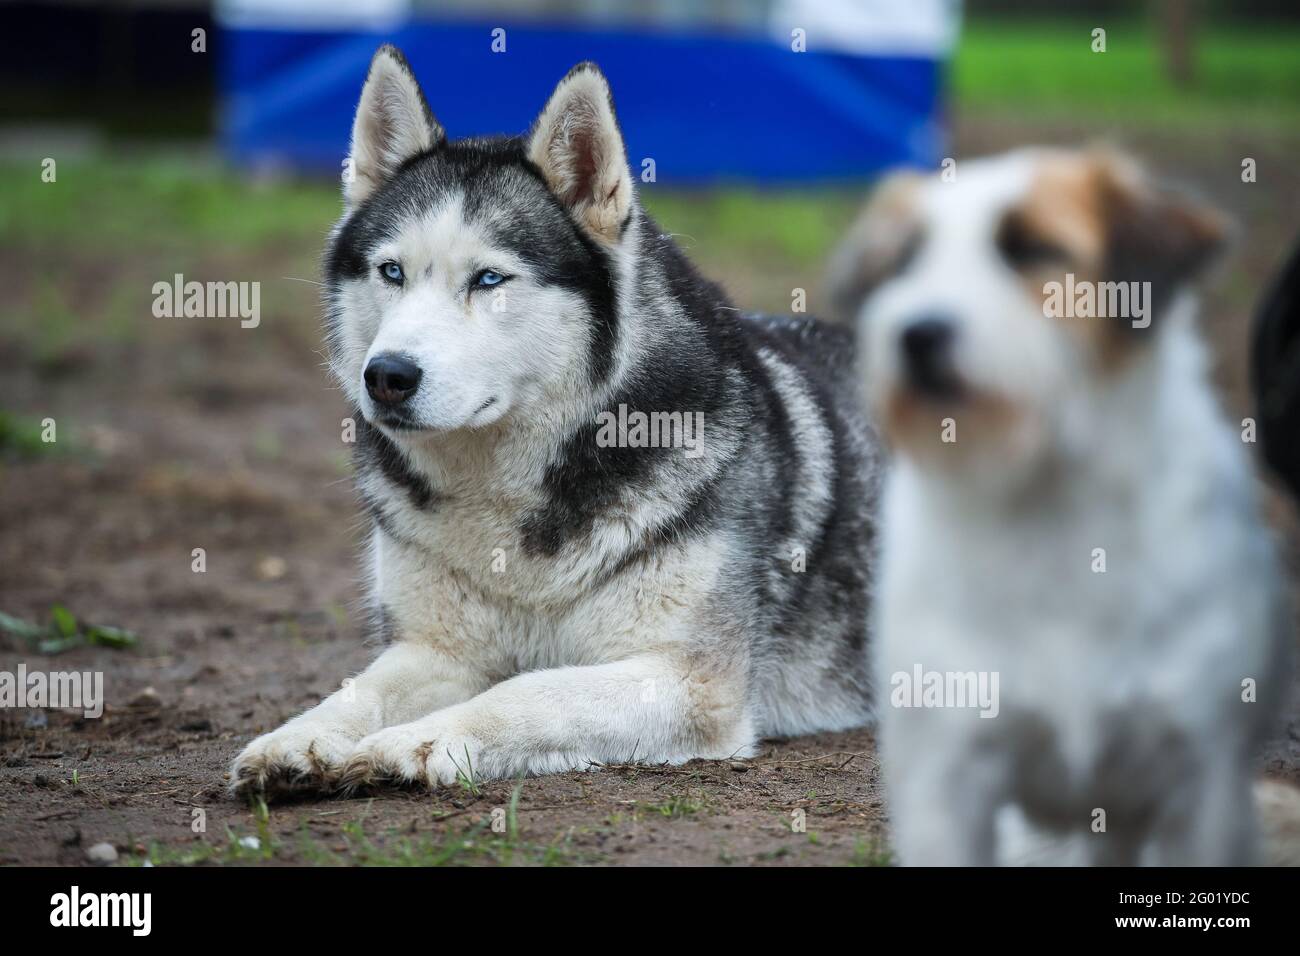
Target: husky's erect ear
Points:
(577, 145)
(393, 124)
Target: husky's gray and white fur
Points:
(551, 603)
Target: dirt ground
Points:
(199, 435)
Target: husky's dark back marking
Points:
(684, 373)
(829, 349)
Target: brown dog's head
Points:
(991, 305)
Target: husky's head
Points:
(473, 280)
(996, 308)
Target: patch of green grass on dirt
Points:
(158, 203)
(678, 806)
(161, 204)
(248, 848)
(235, 851)
(58, 324)
(132, 221)
(64, 632)
(23, 437)
(476, 845)
(793, 227)
(1047, 67)
(872, 852)
(494, 840)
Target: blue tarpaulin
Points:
(703, 106)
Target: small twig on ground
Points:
(56, 814)
(156, 793)
(837, 753)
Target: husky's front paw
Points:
(303, 755)
(424, 752)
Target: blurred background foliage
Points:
(144, 193)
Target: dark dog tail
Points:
(1275, 371)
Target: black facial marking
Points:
(562, 254)
(1022, 248)
(375, 450)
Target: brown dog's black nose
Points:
(927, 355)
(391, 379)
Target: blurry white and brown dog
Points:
(1069, 519)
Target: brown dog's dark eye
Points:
(1022, 249)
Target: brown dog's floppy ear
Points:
(1152, 234)
(877, 244)
(393, 123)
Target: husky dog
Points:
(1069, 519)
(558, 588)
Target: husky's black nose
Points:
(391, 378)
(926, 343)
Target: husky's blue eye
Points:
(392, 272)
(488, 277)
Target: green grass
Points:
(89, 246)
(158, 203)
(236, 850)
(796, 227)
(64, 632)
(163, 205)
(129, 222)
(475, 845)
(1047, 67)
(677, 807)
(23, 437)
(183, 204)
(872, 853)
